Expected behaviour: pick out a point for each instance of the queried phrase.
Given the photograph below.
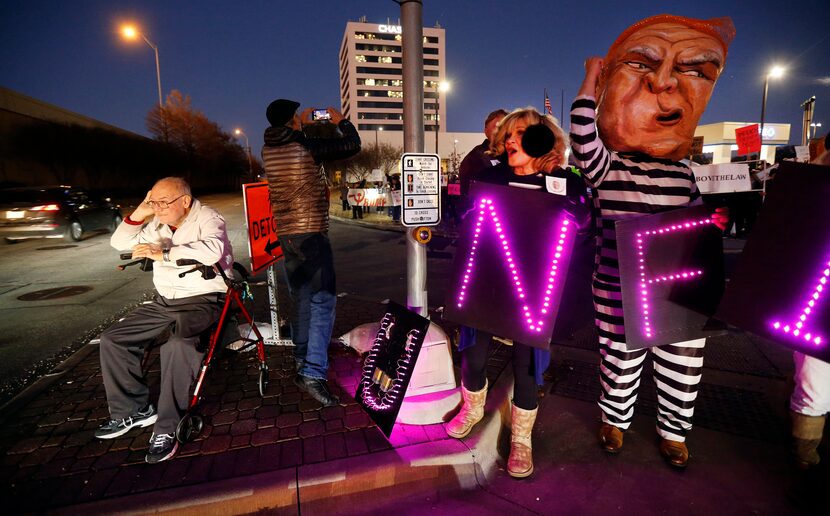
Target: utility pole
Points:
(413, 139)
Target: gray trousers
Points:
(122, 348)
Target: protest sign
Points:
(722, 178)
(780, 289)
(748, 139)
(512, 262)
(672, 275)
(387, 369)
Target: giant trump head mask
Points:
(656, 81)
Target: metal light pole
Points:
(814, 127)
(131, 33)
(239, 132)
(774, 72)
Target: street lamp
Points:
(131, 33)
(775, 72)
(239, 132)
(815, 126)
(443, 86)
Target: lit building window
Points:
(386, 60)
(369, 82)
(395, 94)
(360, 58)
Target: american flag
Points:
(548, 109)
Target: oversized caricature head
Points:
(656, 81)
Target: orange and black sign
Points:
(263, 246)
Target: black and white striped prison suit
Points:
(627, 186)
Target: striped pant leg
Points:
(678, 369)
(619, 379)
(620, 369)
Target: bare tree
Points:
(384, 157)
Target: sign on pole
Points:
(748, 139)
(263, 247)
(421, 189)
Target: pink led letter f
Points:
(648, 281)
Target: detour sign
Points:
(262, 228)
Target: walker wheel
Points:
(263, 379)
(189, 428)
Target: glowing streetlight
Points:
(240, 132)
(776, 72)
(131, 33)
(442, 87)
(815, 127)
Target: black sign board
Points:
(388, 367)
(512, 262)
(781, 285)
(672, 276)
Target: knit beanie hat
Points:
(281, 111)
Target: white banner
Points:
(802, 153)
(722, 178)
(366, 197)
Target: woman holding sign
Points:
(534, 148)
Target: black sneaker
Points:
(116, 427)
(318, 389)
(162, 447)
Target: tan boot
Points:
(472, 411)
(520, 462)
(807, 433)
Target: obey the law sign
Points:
(722, 178)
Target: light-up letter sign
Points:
(388, 367)
(671, 275)
(779, 287)
(646, 281)
(535, 322)
(800, 327)
(512, 263)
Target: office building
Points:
(371, 77)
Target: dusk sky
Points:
(233, 58)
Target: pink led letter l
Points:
(646, 281)
(534, 322)
(799, 327)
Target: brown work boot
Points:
(610, 438)
(675, 452)
(520, 461)
(807, 433)
(472, 411)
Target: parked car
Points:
(54, 212)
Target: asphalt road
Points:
(55, 296)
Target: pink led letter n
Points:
(647, 281)
(534, 322)
(799, 328)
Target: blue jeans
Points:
(311, 330)
(309, 271)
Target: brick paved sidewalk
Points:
(50, 459)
